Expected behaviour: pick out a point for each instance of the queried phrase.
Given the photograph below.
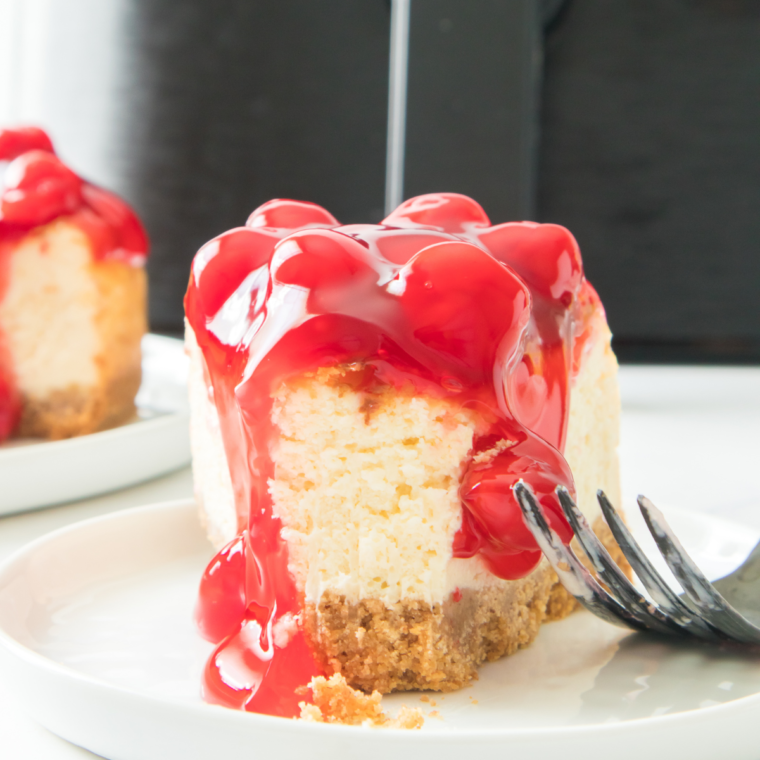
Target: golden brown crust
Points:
(560, 603)
(334, 701)
(413, 645)
(78, 411)
(120, 323)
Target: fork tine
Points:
(612, 575)
(574, 576)
(653, 582)
(712, 606)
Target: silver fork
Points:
(705, 610)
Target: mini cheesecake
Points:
(72, 297)
(364, 398)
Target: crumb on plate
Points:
(336, 702)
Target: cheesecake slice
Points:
(72, 297)
(364, 398)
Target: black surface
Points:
(651, 156)
(238, 101)
(472, 111)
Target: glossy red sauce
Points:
(434, 299)
(37, 188)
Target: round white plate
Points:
(97, 642)
(37, 473)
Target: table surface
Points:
(689, 438)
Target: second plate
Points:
(37, 473)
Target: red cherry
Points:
(467, 540)
(449, 212)
(14, 142)
(488, 496)
(495, 510)
(282, 214)
(223, 263)
(129, 234)
(320, 258)
(38, 187)
(546, 256)
(236, 675)
(462, 303)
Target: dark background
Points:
(650, 154)
(636, 123)
(235, 102)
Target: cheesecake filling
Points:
(367, 488)
(380, 389)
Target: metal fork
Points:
(708, 611)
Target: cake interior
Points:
(367, 488)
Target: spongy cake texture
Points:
(367, 488)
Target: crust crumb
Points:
(336, 702)
(492, 453)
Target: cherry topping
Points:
(128, 239)
(14, 142)
(461, 302)
(282, 214)
(38, 188)
(319, 259)
(546, 256)
(448, 212)
(224, 262)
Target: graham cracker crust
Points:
(334, 701)
(79, 411)
(413, 645)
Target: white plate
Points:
(37, 473)
(98, 644)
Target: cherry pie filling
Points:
(435, 300)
